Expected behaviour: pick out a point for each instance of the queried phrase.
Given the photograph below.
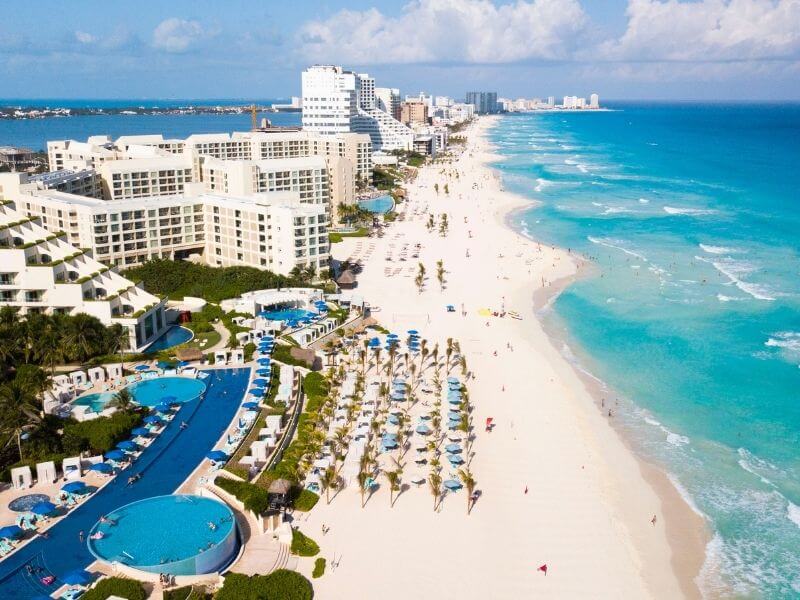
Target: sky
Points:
(621, 49)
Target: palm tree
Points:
(122, 399)
(393, 479)
(449, 352)
(328, 480)
(440, 274)
(465, 475)
(363, 477)
(82, 338)
(435, 486)
(20, 411)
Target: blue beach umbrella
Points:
(140, 431)
(452, 485)
(115, 455)
(260, 382)
(101, 468)
(250, 405)
(10, 531)
(142, 367)
(453, 448)
(264, 361)
(412, 332)
(452, 380)
(79, 577)
(73, 486)
(217, 456)
(163, 408)
(43, 508)
(454, 401)
(263, 372)
(455, 459)
(393, 420)
(391, 335)
(127, 445)
(423, 429)
(152, 419)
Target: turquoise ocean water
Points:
(692, 215)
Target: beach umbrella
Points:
(260, 382)
(452, 380)
(393, 420)
(374, 342)
(391, 335)
(183, 363)
(115, 455)
(417, 480)
(452, 485)
(453, 448)
(454, 401)
(73, 487)
(423, 430)
(163, 408)
(256, 391)
(10, 531)
(263, 361)
(78, 577)
(140, 431)
(152, 419)
(142, 367)
(43, 508)
(217, 456)
(453, 425)
(453, 415)
(250, 405)
(412, 332)
(263, 372)
(127, 445)
(455, 459)
(101, 468)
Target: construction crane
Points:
(253, 117)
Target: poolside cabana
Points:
(62, 381)
(237, 356)
(244, 337)
(71, 467)
(78, 378)
(96, 375)
(221, 357)
(114, 371)
(46, 473)
(21, 478)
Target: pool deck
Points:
(168, 462)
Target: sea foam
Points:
(691, 212)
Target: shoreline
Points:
(687, 530)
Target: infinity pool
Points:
(96, 402)
(152, 392)
(287, 314)
(178, 534)
(174, 336)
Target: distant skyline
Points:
(620, 49)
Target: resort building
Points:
(485, 103)
(388, 100)
(41, 271)
(85, 182)
(276, 231)
(16, 158)
(336, 101)
(413, 112)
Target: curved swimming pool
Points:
(96, 402)
(176, 534)
(152, 392)
(379, 205)
(174, 336)
(287, 314)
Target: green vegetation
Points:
(303, 500)
(278, 585)
(187, 592)
(130, 589)
(283, 353)
(253, 497)
(302, 545)
(336, 237)
(177, 279)
(319, 568)
(354, 214)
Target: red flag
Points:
(543, 569)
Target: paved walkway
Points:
(224, 335)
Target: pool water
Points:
(27, 502)
(287, 314)
(152, 392)
(174, 336)
(96, 402)
(379, 205)
(169, 534)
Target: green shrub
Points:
(319, 568)
(304, 500)
(303, 545)
(278, 585)
(282, 353)
(248, 351)
(252, 496)
(130, 589)
(101, 434)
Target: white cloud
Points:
(471, 31)
(707, 31)
(83, 37)
(177, 35)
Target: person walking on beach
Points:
(653, 520)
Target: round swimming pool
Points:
(174, 336)
(152, 392)
(27, 502)
(178, 534)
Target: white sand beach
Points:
(589, 502)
